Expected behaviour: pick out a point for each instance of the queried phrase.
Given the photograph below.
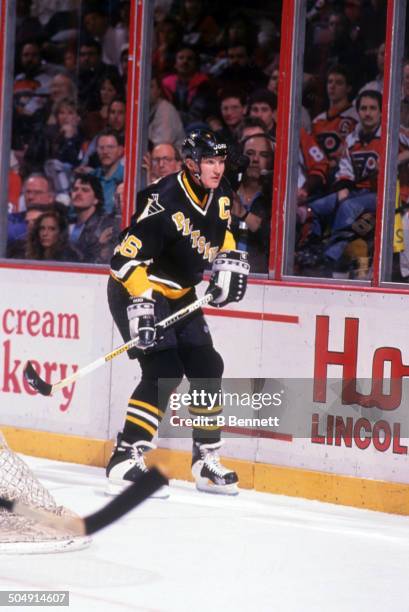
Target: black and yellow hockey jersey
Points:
(176, 232)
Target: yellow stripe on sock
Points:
(210, 411)
(207, 428)
(149, 407)
(142, 424)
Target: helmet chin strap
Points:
(198, 175)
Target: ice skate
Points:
(210, 475)
(127, 464)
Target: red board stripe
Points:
(258, 433)
(256, 316)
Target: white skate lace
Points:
(137, 453)
(212, 460)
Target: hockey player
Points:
(181, 225)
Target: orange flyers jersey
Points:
(311, 158)
(331, 130)
(360, 161)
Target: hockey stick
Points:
(45, 388)
(134, 495)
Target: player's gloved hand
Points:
(141, 316)
(229, 273)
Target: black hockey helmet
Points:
(202, 143)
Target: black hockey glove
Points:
(229, 273)
(142, 320)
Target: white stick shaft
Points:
(164, 324)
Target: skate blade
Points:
(206, 487)
(114, 488)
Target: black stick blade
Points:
(35, 381)
(6, 504)
(131, 497)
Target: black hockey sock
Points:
(142, 420)
(205, 428)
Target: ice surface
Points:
(198, 552)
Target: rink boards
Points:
(343, 433)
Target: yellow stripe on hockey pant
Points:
(142, 424)
(149, 407)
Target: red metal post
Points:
(381, 194)
(132, 109)
(282, 148)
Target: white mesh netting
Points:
(19, 534)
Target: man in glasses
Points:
(163, 160)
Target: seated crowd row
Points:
(223, 77)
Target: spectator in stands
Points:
(377, 84)
(56, 149)
(110, 172)
(263, 104)
(117, 114)
(272, 72)
(48, 240)
(232, 109)
(32, 78)
(17, 249)
(313, 175)
(169, 35)
(250, 127)
(97, 27)
(331, 127)
(38, 194)
(356, 180)
(268, 43)
(64, 138)
(253, 205)
(61, 86)
(161, 10)
(70, 61)
(110, 87)
(44, 9)
(241, 71)
(165, 124)
(239, 30)
(163, 160)
(91, 71)
(188, 88)
(116, 121)
(121, 32)
(94, 233)
(200, 29)
(28, 27)
(334, 40)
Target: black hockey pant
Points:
(186, 349)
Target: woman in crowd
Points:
(48, 239)
(110, 88)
